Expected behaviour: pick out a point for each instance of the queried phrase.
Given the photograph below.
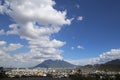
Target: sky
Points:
(78, 31)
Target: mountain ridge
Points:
(116, 61)
(55, 64)
(113, 65)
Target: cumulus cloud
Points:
(2, 43)
(107, 56)
(11, 47)
(2, 32)
(102, 58)
(41, 11)
(80, 47)
(36, 21)
(5, 50)
(78, 6)
(80, 18)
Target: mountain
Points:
(113, 65)
(55, 64)
(116, 61)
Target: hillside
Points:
(113, 65)
(55, 64)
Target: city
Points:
(57, 73)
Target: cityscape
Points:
(88, 72)
(58, 74)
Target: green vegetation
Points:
(2, 73)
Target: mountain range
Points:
(113, 65)
(116, 61)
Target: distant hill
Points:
(113, 65)
(55, 64)
(116, 61)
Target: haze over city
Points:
(78, 31)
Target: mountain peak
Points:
(55, 64)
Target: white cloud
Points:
(102, 58)
(80, 61)
(2, 32)
(2, 43)
(13, 47)
(72, 48)
(107, 56)
(80, 47)
(80, 18)
(36, 21)
(40, 11)
(78, 6)
(2, 47)
(5, 56)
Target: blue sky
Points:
(98, 31)
(79, 31)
